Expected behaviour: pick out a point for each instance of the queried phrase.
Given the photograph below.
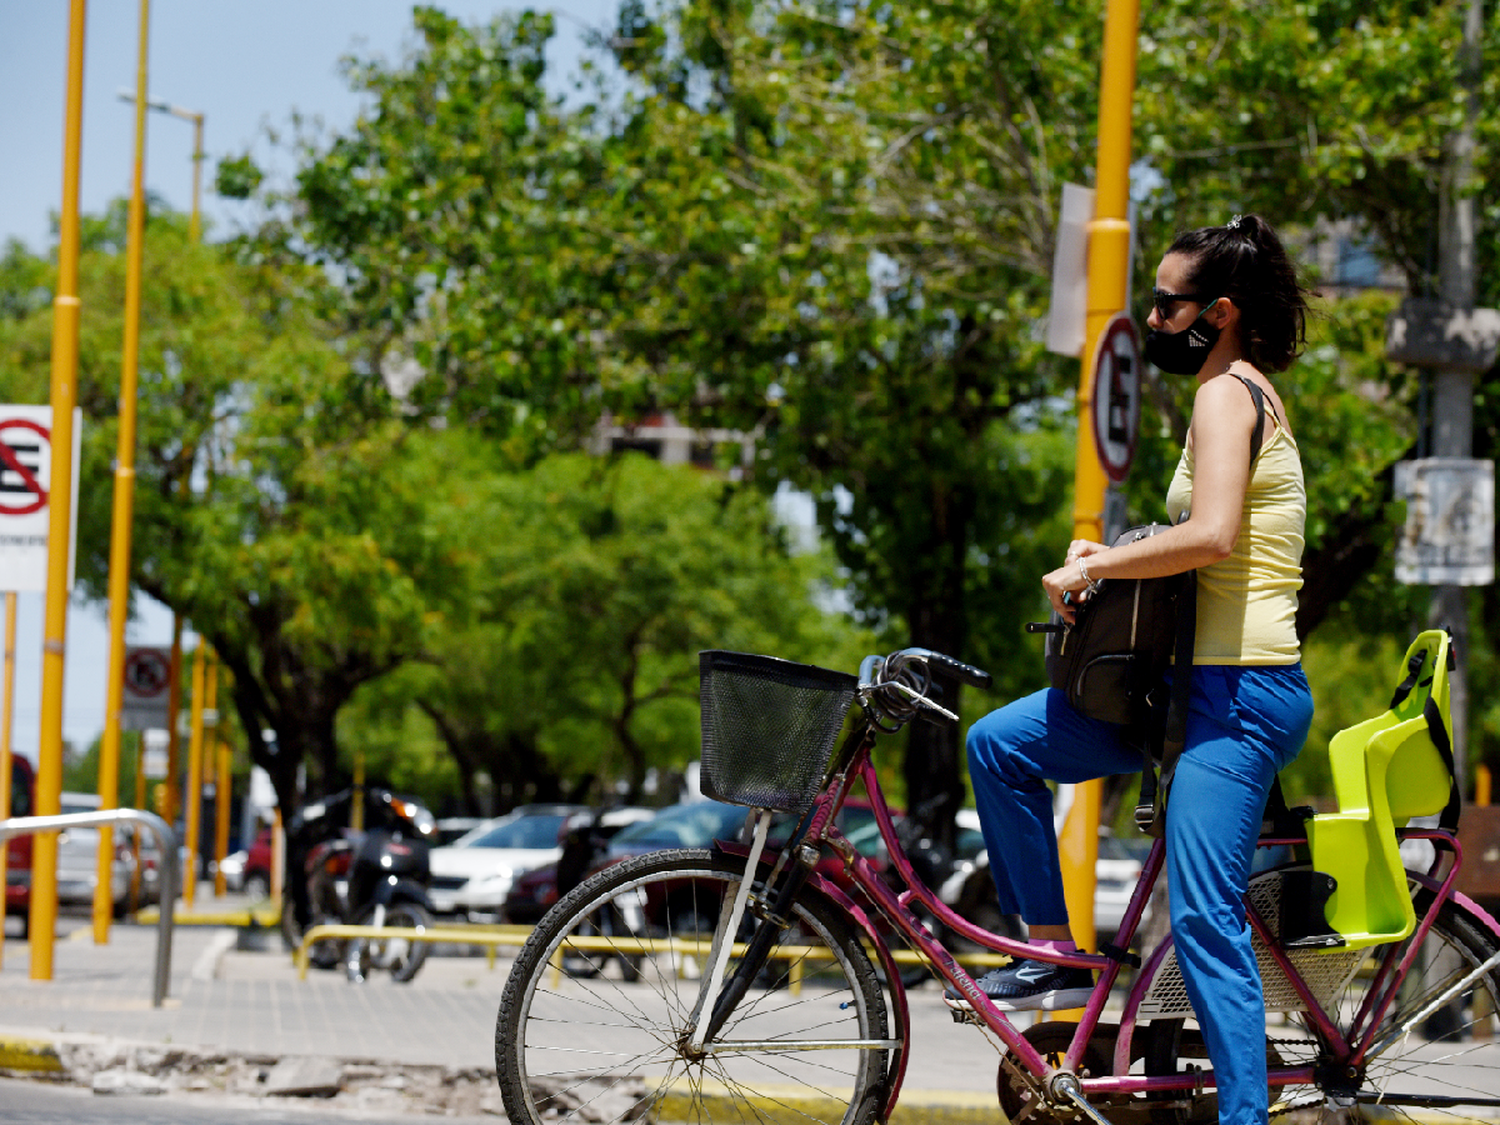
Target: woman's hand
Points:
(1069, 579)
(1083, 548)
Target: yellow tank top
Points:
(1247, 603)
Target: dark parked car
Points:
(585, 837)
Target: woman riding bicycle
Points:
(1227, 309)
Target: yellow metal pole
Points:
(124, 499)
(193, 798)
(1108, 281)
(7, 721)
(278, 855)
(357, 813)
(222, 794)
(64, 393)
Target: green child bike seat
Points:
(1386, 770)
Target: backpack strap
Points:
(1174, 736)
(1256, 435)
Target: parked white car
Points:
(78, 860)
(473, 875)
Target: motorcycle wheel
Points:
(325, 954)
(400, 956)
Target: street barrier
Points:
(166, 841)
(493, 937)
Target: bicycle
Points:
(807, 995)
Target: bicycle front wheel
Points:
(595, 1023)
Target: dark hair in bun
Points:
(1245, 261)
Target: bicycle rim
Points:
(598, 1033)
(1439, 1067)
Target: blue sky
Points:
(246, 67)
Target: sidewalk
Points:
(239, 1020)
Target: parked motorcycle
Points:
(377, 877)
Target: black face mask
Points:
(1182, 353)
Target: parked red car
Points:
(18, 850)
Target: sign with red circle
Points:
(26, 495)
(1116, 406)
(148, 679)
(23, 447)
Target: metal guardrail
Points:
(166, 840)
(517, 936)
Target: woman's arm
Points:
(1223, 416)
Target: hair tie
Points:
(1234, 223)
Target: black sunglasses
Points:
(1164, 301)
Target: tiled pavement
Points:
(250, 1004)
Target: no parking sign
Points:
(148, 682)
(25, 495)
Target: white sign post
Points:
(1449, 537)
(148, 679)
(25, 492)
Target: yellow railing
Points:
(493, 937)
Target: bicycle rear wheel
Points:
(606, 1039)
(1437, 1066)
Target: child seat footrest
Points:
(1304, 901)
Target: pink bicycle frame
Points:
(896, 910)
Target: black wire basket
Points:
(769, 728)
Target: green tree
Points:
(777, 255)
(594, 583)
(261, 514)
(831, 225)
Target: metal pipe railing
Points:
(166, 840)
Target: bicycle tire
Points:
(595, 1047)
(1429, 1072)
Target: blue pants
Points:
(1244, 725)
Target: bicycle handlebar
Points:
(895, 688)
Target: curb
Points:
(795, 1105)
(33, 1056)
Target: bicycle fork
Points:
(719, 997)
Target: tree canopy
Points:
(828, 226)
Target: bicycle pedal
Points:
(961, 1016)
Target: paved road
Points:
(234, 1015)
(239, 1022)
(34, 1103)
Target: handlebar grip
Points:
(1046, 627)
(975, 677)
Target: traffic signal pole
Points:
(1108, 283)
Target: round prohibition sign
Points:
(147, 673)
(36, 495)
(1116, 406)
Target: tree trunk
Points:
(934, 779)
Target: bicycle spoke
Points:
(571, 1051)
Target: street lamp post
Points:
(172, 796)
(158, 106)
